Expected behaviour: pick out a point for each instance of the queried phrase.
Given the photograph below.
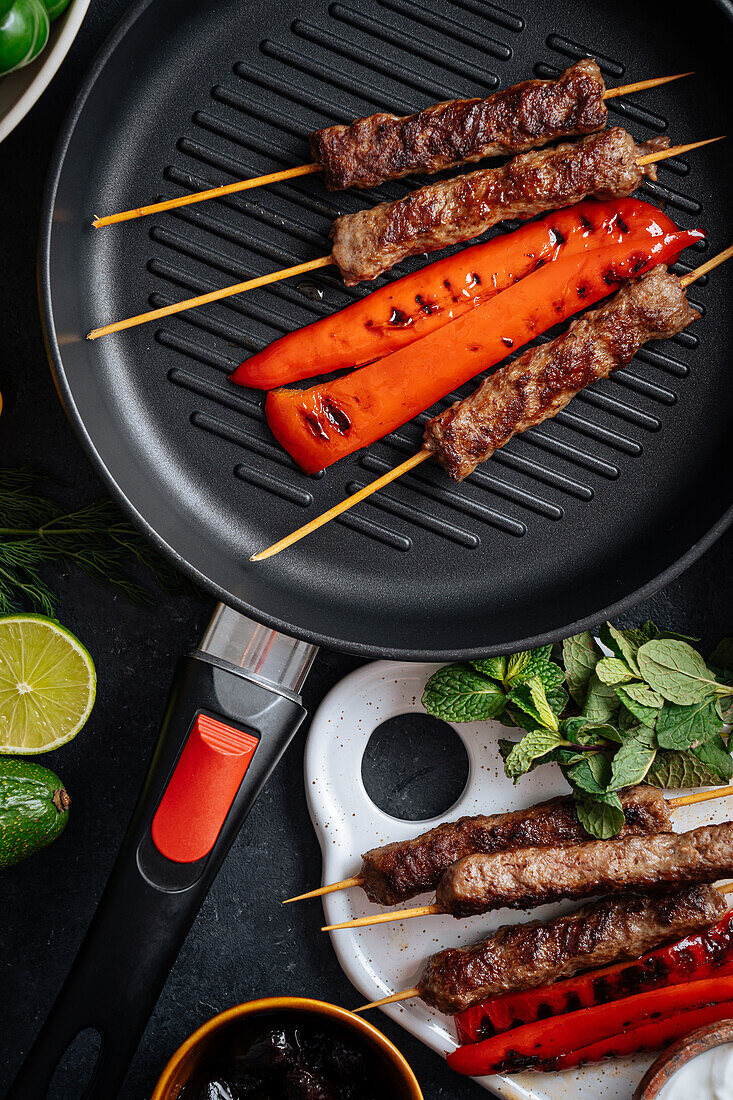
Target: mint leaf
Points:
(612, 670)
(646, 714)
(580, 731)
(557, 698)
(494, 667)
(580, 656)
(631, 763)
(601, 700)
(638, 635)
(551, 675)
(643, 694)
(543, 651)
(680, 769)
(725, 704)
(714, 755)
(458, 693)
(525, 752)
(676, 671)
(600, 819)
(620, 645)
(563, 756)
(681, 727)
(677, 637)
(591, 775)
(516, 665)
(531, 698)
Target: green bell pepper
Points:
(24, 30)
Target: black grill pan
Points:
(572, 522)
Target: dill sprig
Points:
(36, 530)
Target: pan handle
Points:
(222, 735)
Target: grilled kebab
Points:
(371, 241)
(543, 380)
(384, 146)
(534, 876)
(401, 870)
(524, 956)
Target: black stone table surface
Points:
(244, 944)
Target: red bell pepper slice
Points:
(654, 1035)
(546, 1041)
(412, 307)
(693, 957)
(320, 425)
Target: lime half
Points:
(47, 684)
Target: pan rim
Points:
(208, 584)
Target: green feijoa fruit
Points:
(34, 809)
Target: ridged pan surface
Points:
(572, 521)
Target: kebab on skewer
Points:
(541, 382)
(526, 956)
(528, 877)
(396, 872)
(367, 243)
(384, 146)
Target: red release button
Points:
(201, 790)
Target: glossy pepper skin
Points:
(24, 30)
(403, 311)
(592, 1034)
(689, 959)
(325, 423)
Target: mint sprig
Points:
(642, 706)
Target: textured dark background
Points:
(244, 943)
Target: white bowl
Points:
(20, 90)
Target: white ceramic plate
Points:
(385, 958)
(20, 90)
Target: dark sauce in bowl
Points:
(280, 1056)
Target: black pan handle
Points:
(222, 735)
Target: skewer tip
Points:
(404, 995)
(330, 888)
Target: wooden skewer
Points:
(405, 995)
(306, 169)
(642, 85)
(211, 193)
(386, 918)
(701, 796)
(301, 269)
(212, 296)
(709, 265)
(674, 803)
(676, 150)
(424, 454)
(408, 994)
(330, 889)
(349, 502)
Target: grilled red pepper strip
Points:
(412, 307)
(655, 1035)
(322, 424)
(549, 1040)
(693, 957)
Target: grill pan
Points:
(570, 523)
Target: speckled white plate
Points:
(383, 959)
